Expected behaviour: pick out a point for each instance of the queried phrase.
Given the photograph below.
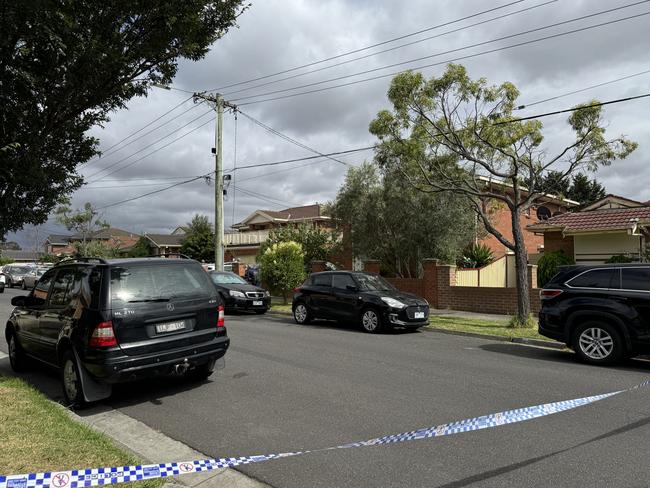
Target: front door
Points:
(27, 318)
(344, 299)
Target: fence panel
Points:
(467, 277)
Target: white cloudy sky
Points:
(277, 35)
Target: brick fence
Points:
(438, 286)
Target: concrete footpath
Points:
(154, 447)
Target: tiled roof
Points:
(306, 212)
(606, 219)
(166, 239)
(22, 255)
(58, 239)
(106, 234)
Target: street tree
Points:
(199, 239)
(391, 221)
(317, 244)
(282, 268)
(83, 222)
(452, 133)
(65, 66)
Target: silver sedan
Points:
(30, 279)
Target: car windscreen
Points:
(373, 283)
(21, 271)
(227, 279)
(141, 283)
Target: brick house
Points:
(56, 243)
(543, 208)
(114, 238)
(165, 243)
(243, 242)
(611, 226)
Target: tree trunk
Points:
(521, 266)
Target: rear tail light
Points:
(221, 320)
(296, 290)
(549, 293)
(103, 335)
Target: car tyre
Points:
(597, 342)
(301, 313)
(17, 357)
(71, 381)
(371, 321)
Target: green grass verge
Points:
(477, 326)
(37, 436)
(278, 307)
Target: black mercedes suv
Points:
(109, 321)
(364, 297)
(601, 311)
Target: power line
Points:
(148, 146)
(108, 153)
(268, 198)
(504, 122)
(521, 107)
(365, 56)
(366, 47)
(152, 152)
(139, 130)
(287, 138)
(469, 56)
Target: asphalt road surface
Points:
(288, 387)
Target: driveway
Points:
(288, 387)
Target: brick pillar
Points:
(238, 269)
(318, 266)
(532, 276)
(371, 265)
(430, 281)
(535, 302)
(446, 278)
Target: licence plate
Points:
(418, 315)
(258, 303)
(170, 327)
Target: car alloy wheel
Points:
(596, 343)
(300, 313)
(70, 379)
(72, 386)
(370, 321)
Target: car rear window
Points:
(597, 278)
(143, 282)
(636, 279)
(321, 280)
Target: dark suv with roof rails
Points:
(601, 311)
(111, 321)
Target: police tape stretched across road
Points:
(105, 476)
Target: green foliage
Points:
(4, 261)
(453, 134)
(96, 249)
(282, 267)
(49, 258)
(141, 249)
(391, 221)
(620, 258)
(548, 265)
(66, 66)
(317, 244)
(199, 241)
(82, 222)
(476, 256)
(579, 188)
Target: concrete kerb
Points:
(155, 447)
(514, 340)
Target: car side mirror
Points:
(18, 301)
(351, 288)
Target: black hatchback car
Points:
(601, 311)
(239, 295)
(363, 297)
(104, 322)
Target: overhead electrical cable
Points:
(382, 43)
(469, 56)
(365, 56)
(349, 151)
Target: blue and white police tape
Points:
(105, 476)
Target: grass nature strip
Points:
(36, 436)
